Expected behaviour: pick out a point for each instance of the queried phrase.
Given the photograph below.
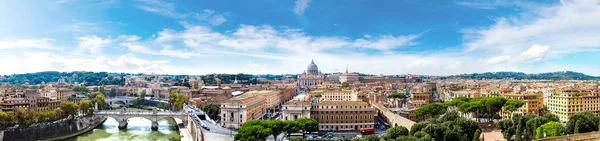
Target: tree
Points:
(136, 101)
(98, 97)
(6, 119)
(160, 106)
(418, 126)
(432, 109)
(550, 129)
(276, 127)
(396, 132)
(143, 94)
(85, 107)
(476, 136)
(256, 129)
(33, 117)
(373, 138)
(587, 122)
(177, 100)
(252, 130)
(212, 110)
(113, 92)
(96, 89)
(307, 124)
(513, 105)
(69, 109)
(452, 135)
(102, 89)
(345, 85)
(22, 116)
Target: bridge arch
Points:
(123, 117)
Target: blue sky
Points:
(438, 37)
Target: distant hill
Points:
(90, 78)
(561, 75)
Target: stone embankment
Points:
(57, 130)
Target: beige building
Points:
(533, 101)
(351, 78)
(299, 107)
(343, 115)
(272, 98)
(340, 95)
(568, 102)
(238, 110)
(312, 76)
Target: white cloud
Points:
(252, 38)
(300, 6)
(45, 61)
(93, 43)
(129, 38)
(170, 10)
(386, 42)
(42, 43)
(569, 28)
(484, 4)
(498, 60)
(535, 53)
(166, 51)
(218, 19)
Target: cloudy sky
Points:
(438, 37)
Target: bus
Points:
(367, 131)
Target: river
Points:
(138, 129)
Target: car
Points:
(205, 127)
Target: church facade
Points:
(311, 76)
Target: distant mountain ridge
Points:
(560, 75)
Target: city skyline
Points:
(282, 37)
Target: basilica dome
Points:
(312, 68)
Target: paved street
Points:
(210, 136)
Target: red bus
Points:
(367, 131)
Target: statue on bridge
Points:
(96, 106)
(123, 110)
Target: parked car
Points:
(205, 127)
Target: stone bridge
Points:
(124, 99)
(153, 116)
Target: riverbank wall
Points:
(194, 128)
(57, 130)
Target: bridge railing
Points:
(138, 113)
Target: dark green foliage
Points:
(372, 138)
(513, 105)
(406, 138)
(451, 135)
(261, 129)
(476, 136)
(212, 110)
(395, 132)
(587, 122)
(417, 127)
(561, 75)
(524, 127)
(90, 78)
(345, 85)
(432, 109)
(551, 129)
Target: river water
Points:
(138, 129)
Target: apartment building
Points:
(299, 107)
(566, 103)
(339, 95)
(533, 101)
(343, 115)
(237, 110)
